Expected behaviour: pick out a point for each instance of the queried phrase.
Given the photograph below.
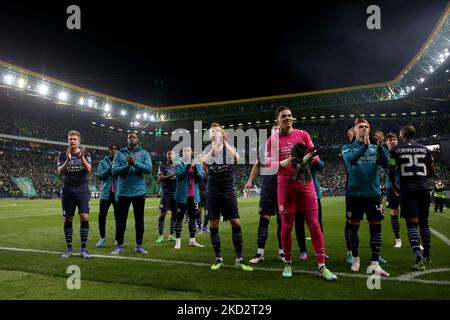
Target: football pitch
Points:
(32, 241)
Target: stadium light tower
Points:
(43, 89)
(8, 78)
(21, 83)
(63, 96)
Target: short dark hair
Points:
(391, 135)
(279, 109)
(409, 132)
(114, 145)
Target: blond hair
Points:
(74, 133)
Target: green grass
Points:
(38, 225)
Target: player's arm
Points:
(162, 177)
(350, 157)
(181, 170)
(392, 171)
(119, 165)
(255, 171)
(145, 166)
(63, 164)
(430, 165)
(232, 151)
(86, 160)
(104, 170)
(198, 171)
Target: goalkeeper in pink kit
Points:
(296, 192)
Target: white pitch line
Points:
(409, 277)
(31, 215)
(440, 236)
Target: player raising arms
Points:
(168, 180)
(364, 194)
(268, 206)
(74, 165)
(295, 195)
(221, 198)
(189, 174)
(416, 166)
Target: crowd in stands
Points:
(38, 161)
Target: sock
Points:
(347, 239)
(375, 241)
(178, 228)
(84, 232)
(395, 226)
(316, 238)
(280, 247)
(215, 241)
(260, 251)
(263, 232)
(425, 236)
(161, 225)
(237, 241)
(192, 228)
(68, 231)
(414, 241)
(353, 239)
(173, 223)
(286, 234)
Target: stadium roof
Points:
(430, 61)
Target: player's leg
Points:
(68, 207)
(349, 256)
(173, 217)
(138, 210)
(436, 204)
(236, 234)
(214, 209)
(181, 211)
(286, 240)
(308, 204)
(425, 231)
(163, 207)
(124, 206)
(410, 212)
(192, 211)
(280, 246)
(103, 212)
(301, 235)
(198, 219)
(115, 205)
(82, 198)
(263, 233)
(355, 213)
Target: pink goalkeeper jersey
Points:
(286, 142)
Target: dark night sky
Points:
(205, 52)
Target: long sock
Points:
(425, 236)
(161, 225)
(375, 241)
(395, 226)
(206, 220)
(84, 232)
(353, 239)
(237, 241)
(316, 239)
(192, 228)
(414, 240)
(178, 228)
(102, 225)
(286, 234)
(68, 231)
(300, 231)
(347, 238)
(215, 241)
(263, 232)
(279, 224)
(173, 223)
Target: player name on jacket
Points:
(411, 150)
(205, 311)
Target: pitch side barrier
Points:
(43, 141)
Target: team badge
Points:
(281, 207)
(349, 214)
